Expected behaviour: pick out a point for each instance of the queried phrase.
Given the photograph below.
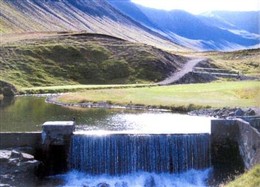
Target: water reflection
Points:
(6, 101)
(29, 113)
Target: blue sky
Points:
(200, 6)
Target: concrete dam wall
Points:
(230, 140)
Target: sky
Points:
(200, 6)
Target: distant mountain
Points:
(172, 30)
(93, 16)
(248, 21)
(197, 32)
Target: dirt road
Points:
(185, 69)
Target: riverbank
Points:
(190, 109)
(183, 98)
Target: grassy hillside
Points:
(83, 59)
(249, 179)
(246, 61)
(218, 94)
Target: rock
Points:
(17, 168)
(26, 157)
(239, 112)
(250, 112)
(16, 154)
(4, 156)
(4, 185)
(224, 112)
(8, 92)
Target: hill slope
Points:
(84, 59)
(93, 16)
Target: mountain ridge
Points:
(170, 30)
(72, 15)
(189, 30)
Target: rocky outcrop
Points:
(17, 168)
(224, 112)
(7, 89)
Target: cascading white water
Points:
(191, 178)
(118, 154)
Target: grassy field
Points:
(249, 179)
(217, 94)
(77, 87)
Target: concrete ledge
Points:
(56, 132)
(63, 127)
(10, 139)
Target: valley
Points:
(100, 58)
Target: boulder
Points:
(8, 92)
(239, 112)
(250, 112)
(17, 168)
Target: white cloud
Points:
(199, 6)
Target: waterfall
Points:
(117, 154)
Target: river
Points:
(26, 114)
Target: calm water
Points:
(29, 113)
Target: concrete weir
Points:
(234, 143)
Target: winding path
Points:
(187, 68)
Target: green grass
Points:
(217, 94)
(84, 59)
(245, 61)
(74, 88)
(249, 179)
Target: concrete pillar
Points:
(56, 138)
(57, 132)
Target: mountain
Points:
(247, 21)
(171, 30)
(197, 32)
(92, 16)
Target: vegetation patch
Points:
(249, 179)
(245, 61)
(194, 96)
(75, 88)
